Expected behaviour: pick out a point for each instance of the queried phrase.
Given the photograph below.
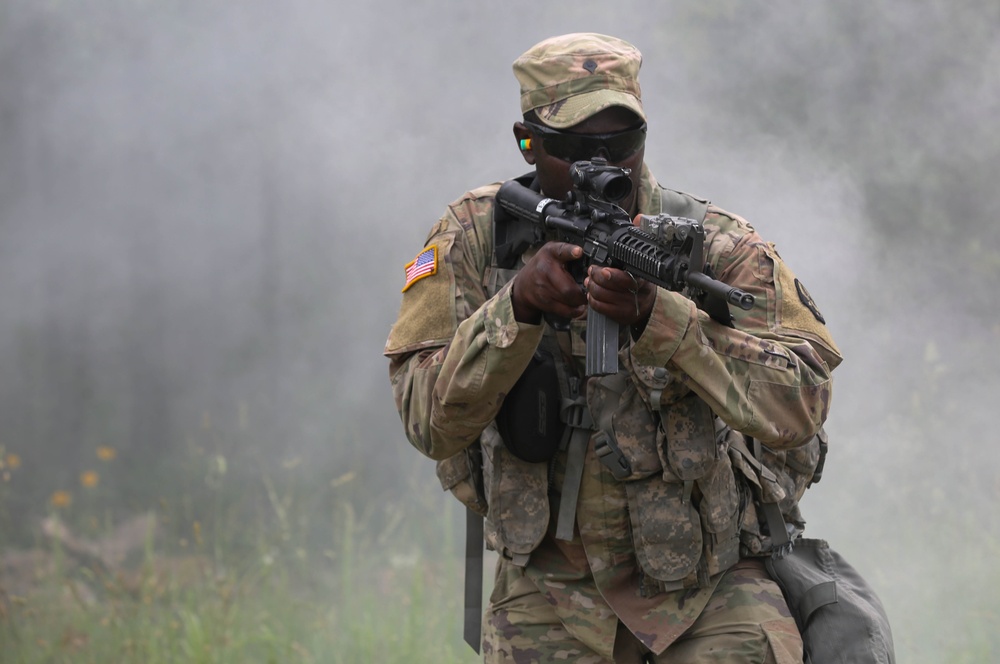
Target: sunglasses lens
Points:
(575, 147)
(625, 144)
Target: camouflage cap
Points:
(567, 79)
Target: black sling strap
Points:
(780, 541)
(473, 623)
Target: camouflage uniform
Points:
(654, 562)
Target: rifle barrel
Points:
(730, 294)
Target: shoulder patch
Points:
(424, 265)
(808, 301)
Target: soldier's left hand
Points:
(619, 296)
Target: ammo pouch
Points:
(840, 617)
(683, 498)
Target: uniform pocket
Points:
(462, 475)
(688, 447)
(517, 493)
(666, 529)
(627, 426)
(635, 430)
(657, 386)
(720, 499)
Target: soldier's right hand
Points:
(545, 285)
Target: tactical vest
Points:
(695, 488)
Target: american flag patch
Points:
(424, 265)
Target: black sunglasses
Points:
(618, 146)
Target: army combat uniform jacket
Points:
(654, 529)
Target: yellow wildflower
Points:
(89, 479)
(105, 453)
(13, 461)
(61, 499)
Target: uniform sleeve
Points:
(770, 377)
(453, 352)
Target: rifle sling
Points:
(605, 448)
(473, 622)
(575, 455)
(780, 540)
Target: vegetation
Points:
(296, 576)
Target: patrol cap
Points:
(567, 79)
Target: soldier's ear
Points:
(524, 143)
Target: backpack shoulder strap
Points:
(680, 204)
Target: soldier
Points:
(636, 538)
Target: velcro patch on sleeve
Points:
(427, 312)
(798, 311)
(424, 265)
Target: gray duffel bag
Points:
(839, 615)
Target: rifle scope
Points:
(599, 180)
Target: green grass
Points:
(261, 611)
(248, 567)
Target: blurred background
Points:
(205, 209)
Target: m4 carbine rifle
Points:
(670, 256)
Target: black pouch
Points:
(528, 420)
(840, 617)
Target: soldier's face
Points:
(624, 147)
